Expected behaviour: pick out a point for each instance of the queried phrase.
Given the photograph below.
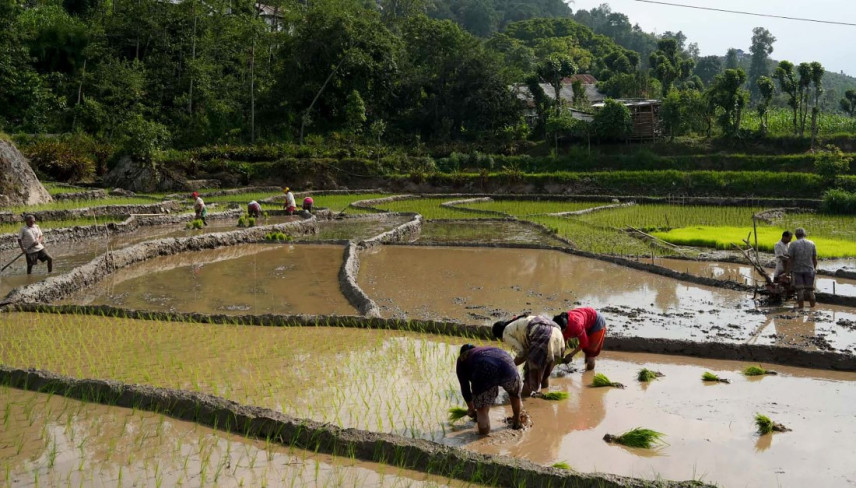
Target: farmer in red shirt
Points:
(587, 325)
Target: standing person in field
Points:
(781, 253)
(32, 243)
(481, 371)
(587, 325)
(254, 209)
(802, 255)
(199, 208)
(537, 344)
(290, 205)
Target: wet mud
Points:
(49, 440)
(479, 285)
(253, 278)
(486, 231)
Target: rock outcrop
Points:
(144, 177)
(18, 183)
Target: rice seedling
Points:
(726, 237)
(519, 208)
(765, 425)
(597, 239)
(646, 375)
(562, 465)
(341, 202)
(708, 376)
(555, 395)
(600, 380)
(74, 204)
(757, 371)
(194, 224)
(638, 437)
(429, 208)
(657, 217)
(61, 224)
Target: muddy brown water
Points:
(489, 232)
(69, 255)
(481, 285)
(744, 273)
(251, 278)
(53, 441)
(404, 383)
(355, 229)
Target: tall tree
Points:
(731, 61)
(762, 46)
(766, 89)
(668, 65)
(789, 85)
(552, 71)
(707, 68)
(727, 94)
(817, 72)
(848, 103)
(804, 93)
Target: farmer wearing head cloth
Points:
(587, 325)
(290, 205)
(537, 343)
(481, 371)
(199, 208)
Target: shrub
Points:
(613, 121)
(838, 202)
(60, 160)
(141, 138)
(830, 163)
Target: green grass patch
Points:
(337, 202)
(562, 465)
(725, 237)
(59, 224)
(519, 208)
(72, 204)
(244, 198)
(596, 239)
(664, 217)
(429, 208)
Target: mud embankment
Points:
(59, 287)
(88, 212)
(262, 423)
(772, 354)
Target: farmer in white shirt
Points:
(32, 242)
(537, 343)
(781, 253)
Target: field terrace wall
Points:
(350, 269)
(81, 195)
(59, 287)
(99, 211)
(131, 224)
(263, 423)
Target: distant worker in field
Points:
(537, 344)
(199, 208)
(481, 371)
(802, 255)
(254, 209)
(308, 203)
(781, 253)
(32, 243)
(589, 327)
(290, 205)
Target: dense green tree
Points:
(684, 112)
(707, 68)
(728, 96)
(668, 65)
(761, 48)
(552, 71)
(731, 61)
(848, 103)
(817, 72)
(766, 90)
(613, 122)
(789, 85)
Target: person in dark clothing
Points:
(481, 371)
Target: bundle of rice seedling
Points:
(562, 465)
(646, 375)
(555, 395)
(600, 380)
(638, 437)
(757, 371)
(708, 376)
(457, 413)
(766, 425)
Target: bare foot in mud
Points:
(525, 421)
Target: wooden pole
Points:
(755, 229)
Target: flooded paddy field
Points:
(404, 383)
(486, 232)
(250, 278)
(49, 440)
(355, 228)
(482, 285)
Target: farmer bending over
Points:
(254, 209)
(32, 243)
(587, 325)
(199, 208)
(481, 371)
(537, 341)
(308, 203)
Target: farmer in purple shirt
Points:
(481, 371)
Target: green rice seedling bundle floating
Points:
(555, 395)
(765, 425)
(645, 375)
(708, 376)
(246, 221)
(757, 371)
(194, 224)
(601, 381)
(457, 413)
(638, 437)
(278, 237)
(562, 465)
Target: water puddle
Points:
(355, 229)
(244, 279)
(54, 441)
(404, 383)
(480, 285)
(489, 232)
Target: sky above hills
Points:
(715, 32)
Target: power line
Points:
(801, 19)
